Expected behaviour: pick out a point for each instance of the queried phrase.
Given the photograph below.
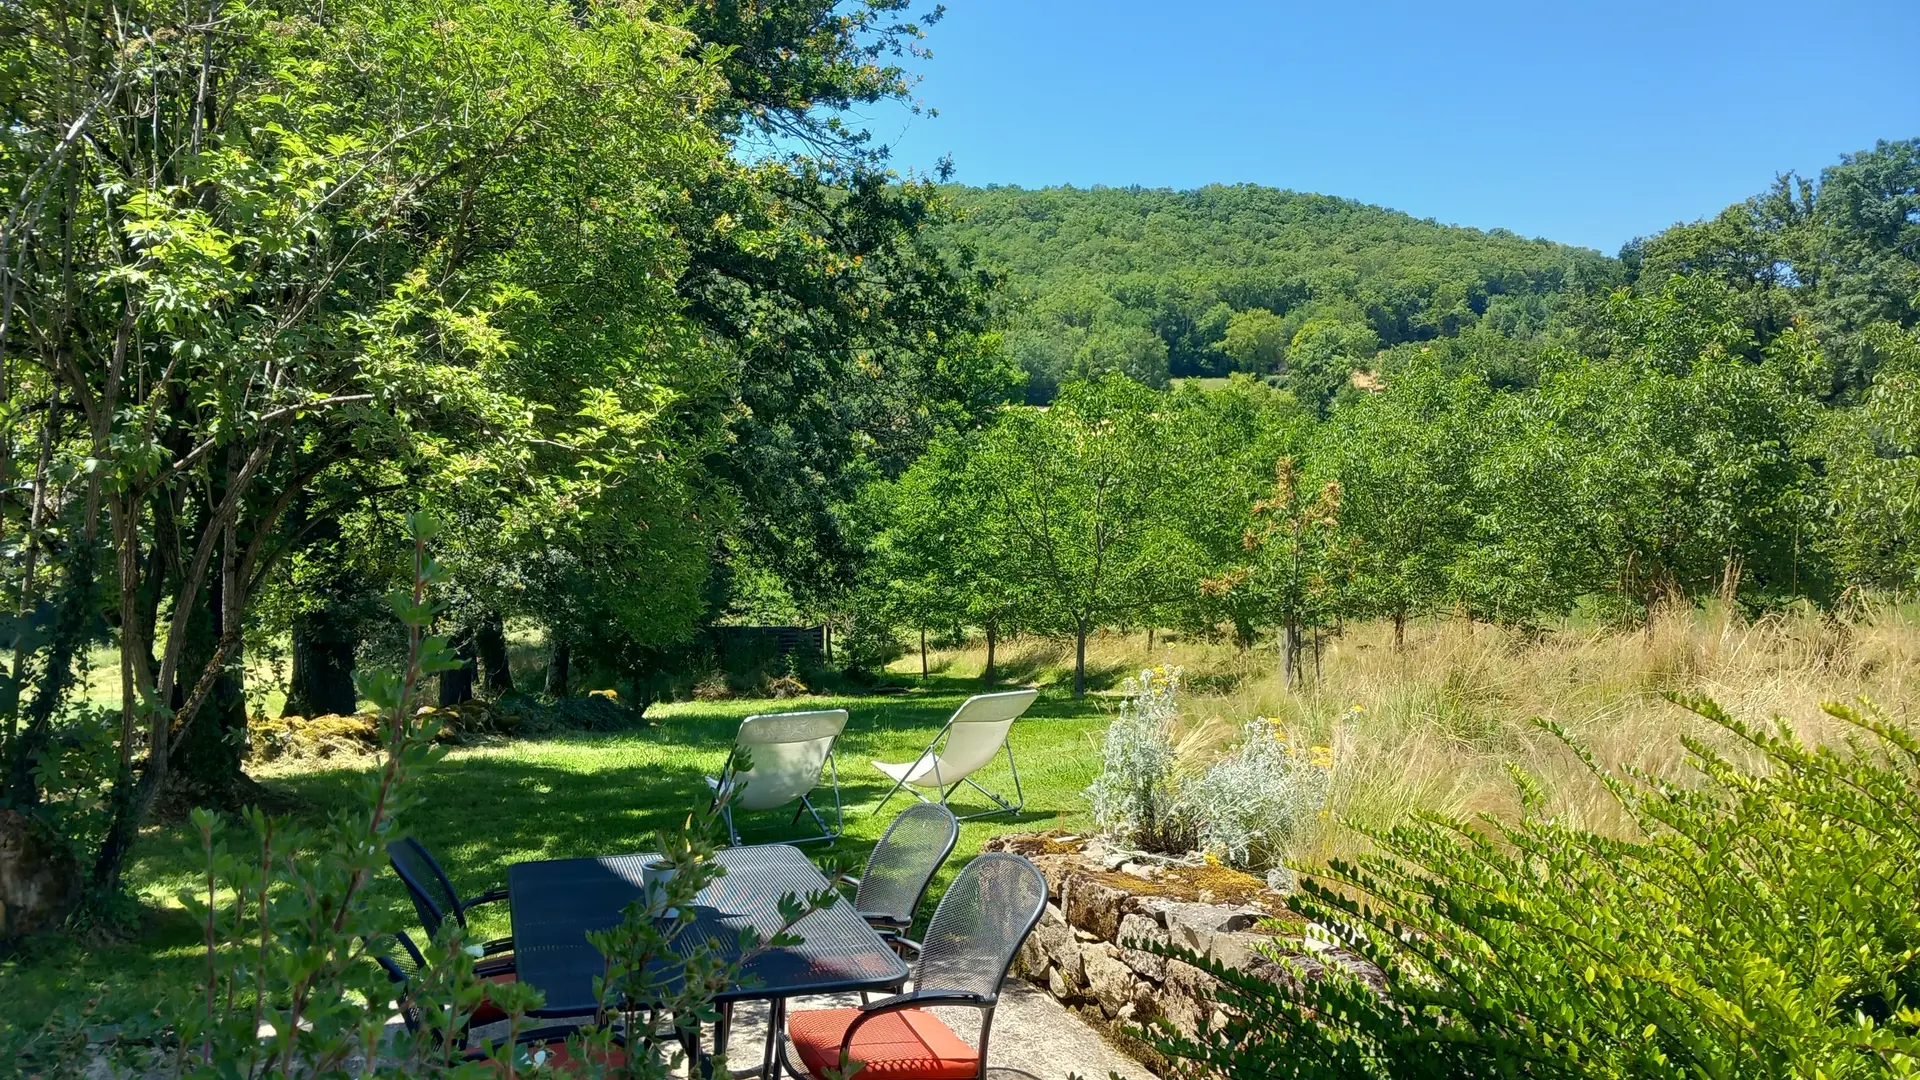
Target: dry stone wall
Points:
(1087, 950)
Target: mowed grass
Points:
(571, 794)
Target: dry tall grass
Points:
(1434, 727)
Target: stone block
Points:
(1110, 981)
(1135, 930)
(1057, 984)
(1242, 952)
(1054, 940)
(1192, 926)
(1056, 869)
(1186, 997)
(1095, 906)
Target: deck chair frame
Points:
(932, 751)
(724, 782)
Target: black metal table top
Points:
(556, 902)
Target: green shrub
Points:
(1245, 808)
(1136, 797)
(1762, 922)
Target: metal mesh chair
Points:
(980, 924)
(400, 958)
(901, 867)
(435, 901)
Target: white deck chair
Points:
(974, 736)
(787, 753)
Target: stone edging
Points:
(1082, 949)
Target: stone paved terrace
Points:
(1034, 1037)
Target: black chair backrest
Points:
(433, 896)
(993, 904)
(401, 960)
(904, 861)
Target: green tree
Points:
(334, 266)
(1403, 458)
(1075, 498)
(1321, 357)
(1289, 571)
(942, 564)
(1256, 340)
(1872, 456)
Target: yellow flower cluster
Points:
(1319, 756)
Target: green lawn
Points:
(573, 794)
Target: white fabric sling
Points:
(786, 753)
(975, 734)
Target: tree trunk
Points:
(491, 639)
(323, 658)
(1289, 651)
(923, 654)
(205, 769)
(326, 639)
(1149, 639)
(826, 638)
(558, 657)
(456, 685)
(322, 678)
(987, 675)
(1080, 661)
(75, 612)
(1400, 628)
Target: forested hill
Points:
(1156, 283)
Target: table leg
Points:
(722, 1029)
(776, 1021)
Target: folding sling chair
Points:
(974, 736)
(786, 754)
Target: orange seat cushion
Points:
(908, 1043)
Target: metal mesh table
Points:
(556, 902)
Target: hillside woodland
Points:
(1160, 284)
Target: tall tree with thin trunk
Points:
(1077, 502)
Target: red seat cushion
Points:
(908, 1043)
(488, 1012)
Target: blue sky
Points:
(1580, 122)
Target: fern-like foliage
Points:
(1763, 922)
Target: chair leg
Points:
(1019, 802)
(883, 802)
(986, 1029)
(733, 834)
(806, 807)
